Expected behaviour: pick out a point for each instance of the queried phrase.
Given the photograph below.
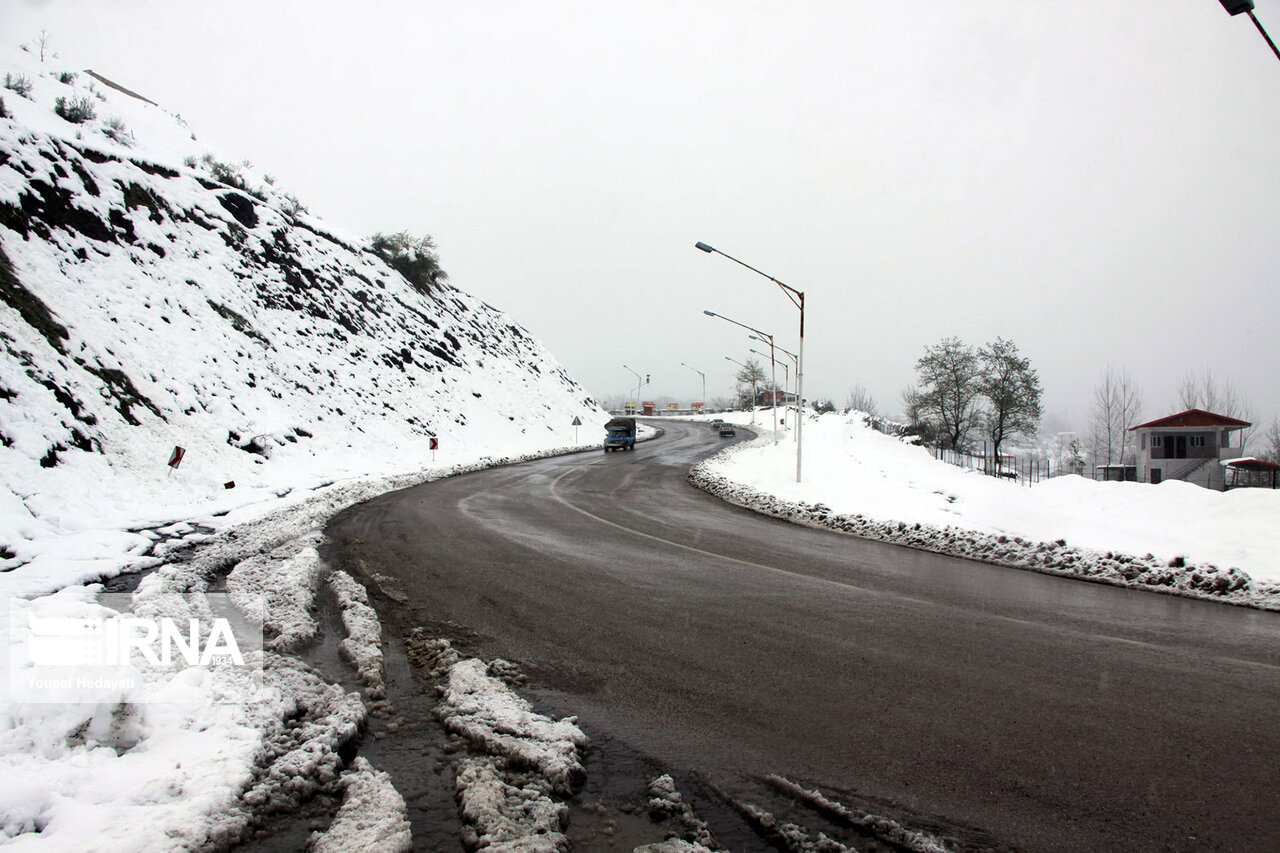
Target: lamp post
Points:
(639, 382)
(704, 382)
(786, 378)
(797, 299)
(794, 360)
(773, 371)
(1235, 7)
(753, 388)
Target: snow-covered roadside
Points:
(198, 768)
(510, 795)
(1172, 538)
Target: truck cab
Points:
(620, 434)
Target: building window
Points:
(1196, 441)
(1157, 440)
(1144, 441)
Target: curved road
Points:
(1039, 712)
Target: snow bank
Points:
(373, 815)
(1173, 537)
(510, 793)
(362, 646)
(490, 715)
(278, 589)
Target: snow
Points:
(1173, 537)
(362, 646)
(145, 305)
(150, 306)
(372, 816)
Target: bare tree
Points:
(949, 374)
(1117, 407)
(1271, 442)
(1222, 398)
(753, 375)
(860, 401)
(1206, 393)
(43, 42)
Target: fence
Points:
(1025, 470)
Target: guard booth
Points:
(647, 407)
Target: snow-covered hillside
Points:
(153, 296)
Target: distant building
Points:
(1190, 446)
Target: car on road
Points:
(727, 431)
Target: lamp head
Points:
(709, 313)
(703, 246)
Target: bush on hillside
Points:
(18, 84)
(115, 129)
(415, 259)
(75, 110)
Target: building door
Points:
(1180, 447)
(1155, 476)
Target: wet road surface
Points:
(1001, 705)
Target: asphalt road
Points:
(1047, 713)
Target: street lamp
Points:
(639, 382)
(797, 299)
(786, 374)
(773, 371)
(1235, 7)
(794, 360)
(704, 382)
(753, 387)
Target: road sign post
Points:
(175, 459)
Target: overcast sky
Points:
(1095, 180)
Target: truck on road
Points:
(620, 434)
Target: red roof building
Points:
(1190, 446)
(1195, 418)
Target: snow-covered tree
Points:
(414, 258)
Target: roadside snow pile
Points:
(666, 802)
(510, 795)
(362, 647)
(183, 761)
(372, 816)
(490, 715)
(883, 828)
(1192, 541)
(278, 589)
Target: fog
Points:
(1094, 180)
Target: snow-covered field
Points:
(1172, 537)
